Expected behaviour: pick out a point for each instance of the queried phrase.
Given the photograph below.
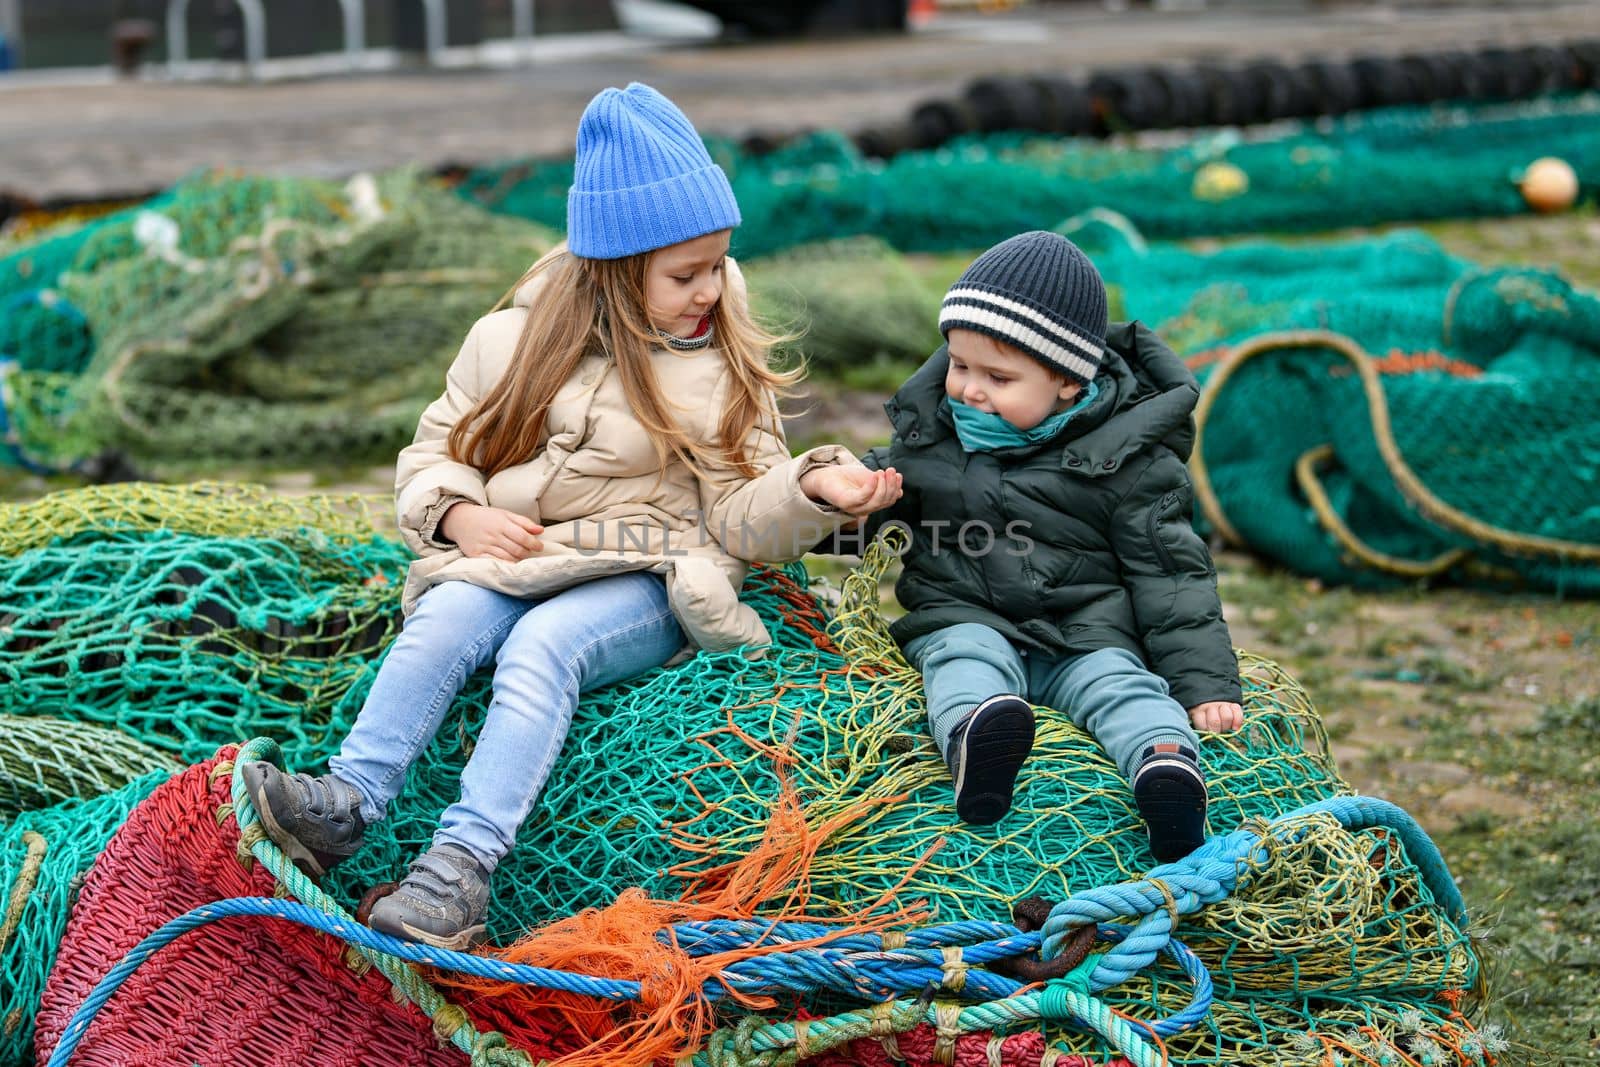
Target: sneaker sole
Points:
(1172, 801)
(988, 770)
(466, 940)
(301, 856)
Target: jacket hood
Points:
(1147, 396)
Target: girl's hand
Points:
(1217, 716)
(854, 489)
(493, 532)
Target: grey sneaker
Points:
(985, 752)
(441, 901)
(315, 820)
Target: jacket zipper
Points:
(1156, 515)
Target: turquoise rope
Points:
(1212, 872)
(405, 980)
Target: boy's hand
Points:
(493, 532)
(853, 489)
(1217, 716)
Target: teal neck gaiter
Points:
(983, 431)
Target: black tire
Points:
(1186, 95)
(1231, 96)
(1130, 98)
(1465, 75)
(763, 142)
(938, 121)
(1384, 82)
(1276, 88)
(1487, 74)
(1431, 77)
(1065, 105)
(1306, 92)
(1005, 104)
(886, 141)
(1515, 74)
(1553, 67)
(930, 125)
(1586, 59)
(1334, 86)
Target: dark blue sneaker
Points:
(985, 752)
(1170, 793)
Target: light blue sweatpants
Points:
(1108, 693)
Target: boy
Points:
(1052, 559)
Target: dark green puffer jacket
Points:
(1077, 544)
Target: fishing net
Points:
(251, 993)
(1336, 937)
(1359, 169)
(250, 320)
(251, 613)
(44, 855)
(238, 321)
(1379, 411)
(211, 509)
(49, 761)
(853, 732)
(855, 306)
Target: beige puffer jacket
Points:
(598, 489)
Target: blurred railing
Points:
(255, 31)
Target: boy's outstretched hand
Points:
(1217, 716)
(854, 489)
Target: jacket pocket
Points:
(1158, 515)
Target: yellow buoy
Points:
(1549, 185)
(1220, 181)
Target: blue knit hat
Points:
(1037, 292)
(643, 179)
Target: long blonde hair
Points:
(598, 305)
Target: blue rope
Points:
(708, 936)
(871, 974)
(355, 933)
(1194, 968)
(859, 964)
(1211, 873)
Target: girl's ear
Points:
(1070, 390)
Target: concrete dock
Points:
(64, 138)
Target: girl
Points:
(606, 456)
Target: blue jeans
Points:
(546, 652)
(1109, 693)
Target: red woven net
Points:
(238, 991)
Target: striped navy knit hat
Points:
(1039, 293)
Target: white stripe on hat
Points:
(1060, 330)
(1034, 341)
